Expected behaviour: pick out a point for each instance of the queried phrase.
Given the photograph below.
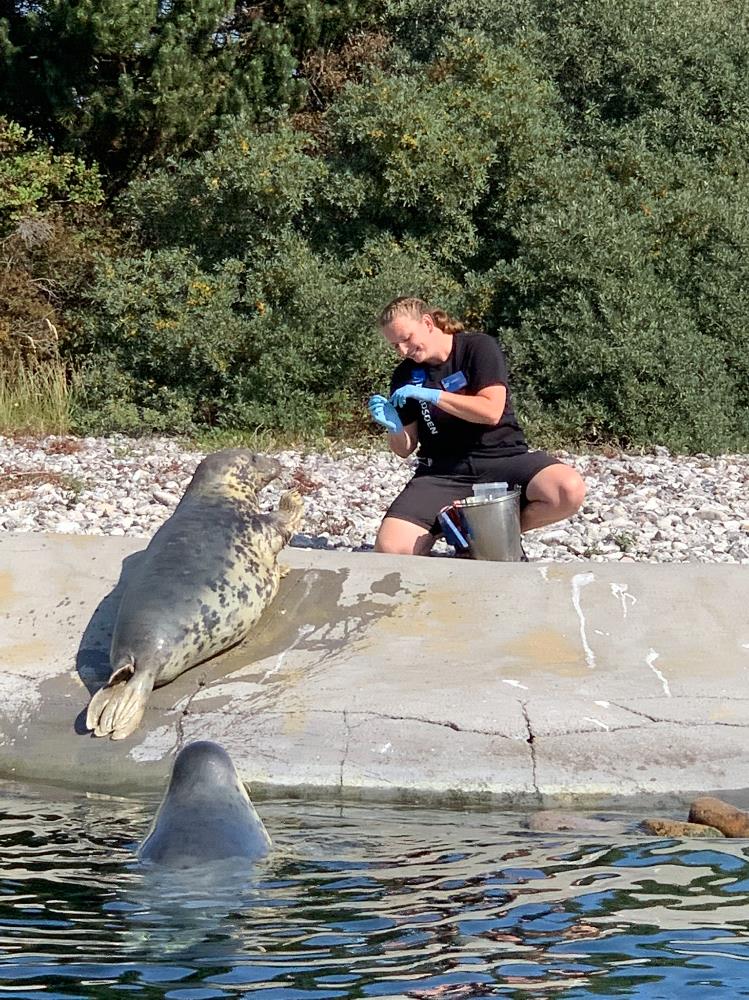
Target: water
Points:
(366, 902)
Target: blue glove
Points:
(417, 392)
(383, 412)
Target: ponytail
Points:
(417, 308)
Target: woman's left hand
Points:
(417, 392)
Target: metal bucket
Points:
(492, 527)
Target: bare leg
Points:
(400, 537)
(554, 493)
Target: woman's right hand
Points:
(384, 413)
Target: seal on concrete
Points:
(206, 814)
(201, 584)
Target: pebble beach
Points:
(654, 507)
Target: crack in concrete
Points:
(634, 711)
(531, 741)
(673, 722)
(241, 709)
(690, 697)
(346, 747)
(411, 718)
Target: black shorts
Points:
(435, 486)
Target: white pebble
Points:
(658, 507)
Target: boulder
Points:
(714, 812)
(676, 828)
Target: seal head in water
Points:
(206, 814)
(201, 584)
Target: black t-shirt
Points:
(481, 360)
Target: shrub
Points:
(571, 176)
(617, 307)
(433, 154)
(286, 342)
(48, 230)
(231, 200)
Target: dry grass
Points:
(64, 446)
(23, 484)
(34, 398)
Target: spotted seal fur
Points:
(206, 814)
(201, 584)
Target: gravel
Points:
(655, 507)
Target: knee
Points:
(399, 540)
(403, 548)
(571, 491)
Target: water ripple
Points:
(365, 902)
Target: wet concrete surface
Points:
(401, 678)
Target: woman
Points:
(450, 397)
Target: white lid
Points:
(489, 487)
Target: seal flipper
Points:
(288, 516)
(117, 708)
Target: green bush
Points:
(283, 343)
(573, 176)
(676, 68)
(49, 228)
(622, 308)
(234, 198)
(168, 328)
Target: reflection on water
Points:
(365, 902)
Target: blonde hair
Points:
(406, 305)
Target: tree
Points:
(48, 230)
(129, 83)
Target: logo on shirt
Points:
(454, 382)
(426, 414)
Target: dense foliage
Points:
(47, 239)
(572, 176)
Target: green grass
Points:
(34, 398)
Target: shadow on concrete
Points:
(92, 658)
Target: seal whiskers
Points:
(204, 580)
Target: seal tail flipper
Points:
(116, 709)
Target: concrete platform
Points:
(401, 678)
